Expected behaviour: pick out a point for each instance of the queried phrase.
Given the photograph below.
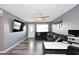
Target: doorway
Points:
(31, 30)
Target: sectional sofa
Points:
(50, 36)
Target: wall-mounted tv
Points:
(74, 32)
(18, 26)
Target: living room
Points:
(47, 29)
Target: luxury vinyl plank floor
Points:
(27, 47)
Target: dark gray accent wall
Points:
(70, 20)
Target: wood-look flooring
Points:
(27, 47)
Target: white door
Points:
(31, 30)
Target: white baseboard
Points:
(5, 51)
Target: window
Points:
(42, 28)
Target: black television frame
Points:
(74, 32)
(21, 27)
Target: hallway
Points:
(27, 47)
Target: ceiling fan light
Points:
(39, 18)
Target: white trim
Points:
(6, 50)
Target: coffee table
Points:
(55, 47)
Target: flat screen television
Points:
(18, 26)
(74, 32)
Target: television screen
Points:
(74, 32)
(18, 26)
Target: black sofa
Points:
(73, 50)
(41, 35)
(50, 36)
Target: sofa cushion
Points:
(64, 37)
(61, 38)
(55, 36)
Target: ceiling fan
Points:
(40, 16)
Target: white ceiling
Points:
(25, 11)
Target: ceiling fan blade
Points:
(41, 17)
(45, 16)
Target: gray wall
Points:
(10, 38)
(70, 20)
(1, 32)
